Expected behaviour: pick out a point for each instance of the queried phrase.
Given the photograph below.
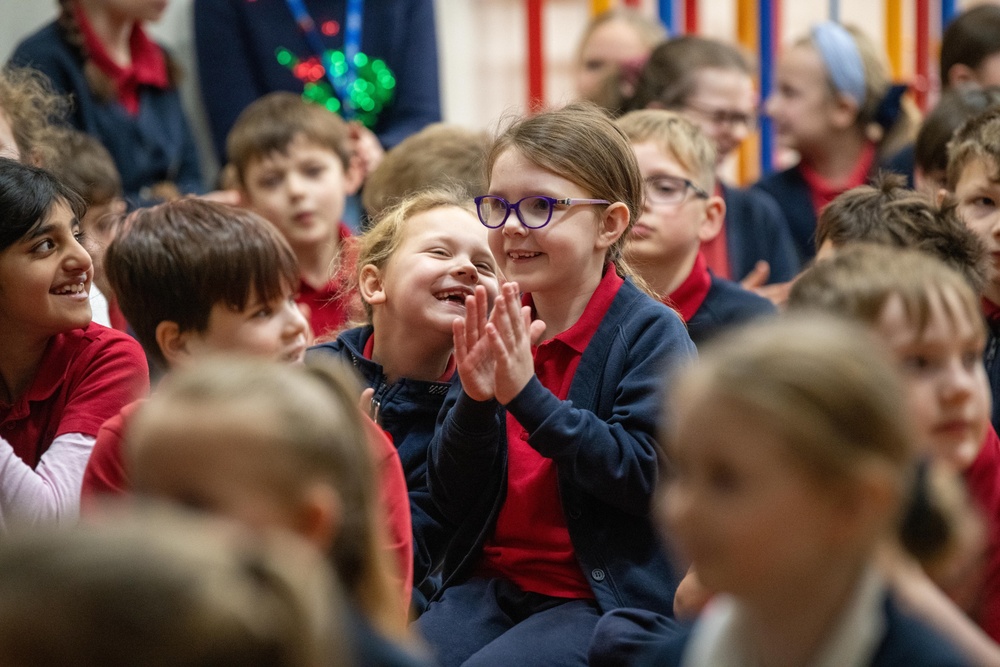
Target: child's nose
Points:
(466, 269)
(959, 382)
(295, 321)
(78, 258)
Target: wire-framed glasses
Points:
(671, 190)
(534, 212)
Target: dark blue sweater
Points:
(154, 145)
(791, 191)
(236, 42)
(603, 440)
(726, 305)
(756, 229)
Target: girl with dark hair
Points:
(61, 376)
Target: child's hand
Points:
(511, 334)
(473, 356)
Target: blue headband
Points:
(842, 59)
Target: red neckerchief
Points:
(691, 293)
(716, 251)
(148, 68)
(822, 192)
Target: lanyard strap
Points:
(341, 84)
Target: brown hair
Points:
(970, 38)
(954, 108)
(675, 136)
(158, 587)
(860, 280)
(84, 164)
(977, 139)
(302, 424)
(32, 107)
(670, 74)
(822, 384)
(440, 154)
(175, 261)
(580, 143)
(887, 213)
(377, 245)
(271, 123)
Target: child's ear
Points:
(320, 516)
(614, 222)
(354, 175)
(942, 195)
(845, 112)
(866, 507)
(172, 343)
(715, 216)
(370, 285)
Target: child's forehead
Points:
(980, 170)
(936, 315)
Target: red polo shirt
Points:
(531, 545)
(85, 378)
(330, 306)
(822, 191)
(691, 293)
(148, 68)
(982, 479)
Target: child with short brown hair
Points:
(295, 168)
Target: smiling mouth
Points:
(456, 295)
(73, 289)
(521, 254)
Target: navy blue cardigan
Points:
(790, 190)
(907, 643)
(726, 305)
(154, 145)
(603, 440)
(756, 229)
(408, 411)
(236, 41)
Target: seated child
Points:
(61, 376)
(164, 588)
(928, 316)
(711, 83)
(84, 164)
(416, 265)
(278, 446)
(974, 182)
(833, 103)
(438, 155)
(677, 163)
(544, 462)
(789, 455)
(294, 167)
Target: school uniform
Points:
(85, 377)
(709, 304)
(548, 499)
(801, 194)
(873, 631)
(235, 42)
(329, 306)
(407, 409)
(145, 130)
(754, 230)
(982, 481)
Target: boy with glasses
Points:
(679, 215)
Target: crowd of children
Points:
(479, 432)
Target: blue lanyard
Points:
(342, 84)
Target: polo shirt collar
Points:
(823, 191)
(691, 293)
(578, 336)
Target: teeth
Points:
(76, 288)
(457, 293)
(522, 255)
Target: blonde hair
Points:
(274, 121)
(440, 155)
(859, 280)
(580, 143)
(33, 108)
(823, 385)
(161, 587)
(978, 139)
(383, 238)
(675, 136)
(303, 425)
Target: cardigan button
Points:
(597, 574)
